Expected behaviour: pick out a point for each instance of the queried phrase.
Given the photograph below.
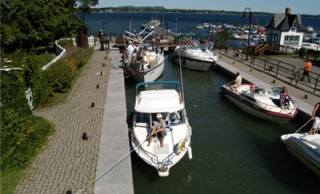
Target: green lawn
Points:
(10, 180)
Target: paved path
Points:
(68, 162)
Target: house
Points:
(286, 30)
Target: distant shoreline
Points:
(131, 9)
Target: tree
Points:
(25, 25)
(84, 6)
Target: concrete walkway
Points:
(69, 163)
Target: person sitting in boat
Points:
(316, 117)
(159, 128)
(210, 41)
(285, 98)
(237, 82)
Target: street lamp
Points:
(104, 22)
(176, 24)
(244, 17)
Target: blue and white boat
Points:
(166, 99)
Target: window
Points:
(291, 41)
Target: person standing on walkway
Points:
(316, 117)
(130, 49)
(306, 69)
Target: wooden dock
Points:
(167, 37)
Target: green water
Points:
(233, 152)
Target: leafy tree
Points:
(84, 7)
(28, 24)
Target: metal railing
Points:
(276, 68)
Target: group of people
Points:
(132, 48)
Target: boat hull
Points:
(194, 64)
(149, 74)
(256, 109)
(299, 146)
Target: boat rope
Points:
(303, 125)
(116, 80)
(122, 159)
(181, 77)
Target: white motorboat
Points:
(194, 56)
(260, 102)
(147, 63)
(305, 147)
(170, 103)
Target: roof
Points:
(158, 30)
(284, 22)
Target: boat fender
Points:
(189, 153)
(180, 147)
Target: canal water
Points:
(233, 152)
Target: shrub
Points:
(21, 138)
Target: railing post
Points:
(315, 85)
(278, 69)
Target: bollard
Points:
(92, 104)
(84, 136)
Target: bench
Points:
(313, 53)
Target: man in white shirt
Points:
(130, 50)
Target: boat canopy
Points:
(154, 101)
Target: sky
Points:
(271, 6)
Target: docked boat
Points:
(260, 102)
(147, 63)
(194, 55)
(170, 104)
(305, 147)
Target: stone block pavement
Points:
(68, 163)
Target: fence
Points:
(279, 69)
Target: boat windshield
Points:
(149, 47)
(171, 118)
(203, 47)
(276, 90)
